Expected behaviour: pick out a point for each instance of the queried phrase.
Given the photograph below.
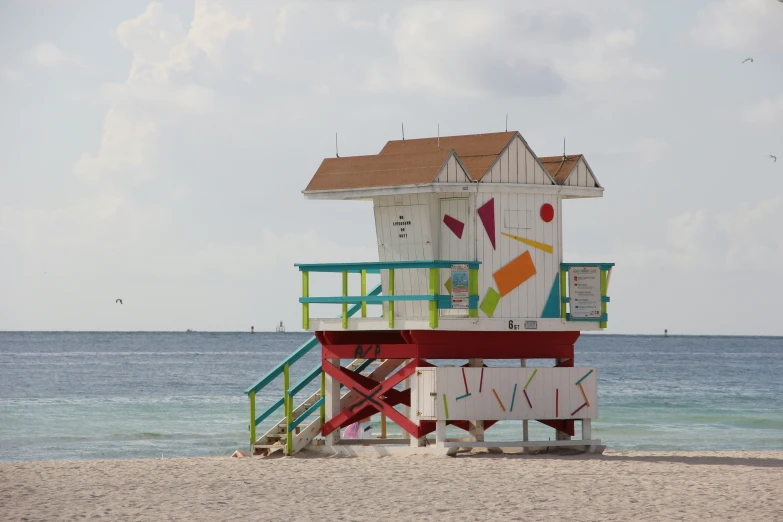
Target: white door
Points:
(424, 395)
(455, 241)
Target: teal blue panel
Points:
(552, 306)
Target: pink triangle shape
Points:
(487, 215)
(455, 225)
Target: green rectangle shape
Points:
(490, 302)
(445, 405)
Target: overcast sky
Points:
(155, 152)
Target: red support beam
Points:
(445, 351)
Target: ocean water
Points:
(131, 395)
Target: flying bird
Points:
(774, 158)
(118, 301)
(751, 59)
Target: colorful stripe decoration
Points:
(584, 395)
(583, 377)
(579, 408)
(462, 396)
(528, 398)
(455, 225)
(499, 401)
(557, 402)
(531, 378)
(481, 382)
(465, 380)
(486, 213)
(535, 244)
(445, 405)
(513, 396)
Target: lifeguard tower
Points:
(469, 234)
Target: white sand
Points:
(613, 486)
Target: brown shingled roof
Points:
(559, 169)
(379, 171)
(476, 151)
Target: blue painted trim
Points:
(383, 265)
(269, 411)
(513, 396)
(444, 301)
(552, 307)
(603, 266)
(565, 299)
(602, 319)
(605, 299)
(309, 411)
(300, 352)
(315, 372)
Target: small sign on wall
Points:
(585, 291)
(460, 292)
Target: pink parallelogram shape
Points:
(455, 225)
(487, 215)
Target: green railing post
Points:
(473, 287)
(391, 293)
(364, 292)
(289, 411)
(252, 396)
(305, 306)
(563, 277)
(602, 324)
(434, 273)
(345, 294)
(323, 396)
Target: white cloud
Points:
(155, 90)
(768, 112)
(650, 150)
(49, 55)
(473, 49)
(754, 234)
(746, 25)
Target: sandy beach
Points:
(613, 486)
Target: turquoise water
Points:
(127, 395)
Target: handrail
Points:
(288, 395)
(382, 265)
(306, 414)
(436, 301)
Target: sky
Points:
(156, 152)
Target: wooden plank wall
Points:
(452, 172)
(548, 386)
(416, 245)
(580, 176)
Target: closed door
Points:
(455, 237)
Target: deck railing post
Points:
(563, 276)
(289, 411)
(323, 396)
(391, 293)
(252, 396)
(345, 294)
(434, 273)
(602, 324)
(364, 292)
(473, 287)
(305, 306)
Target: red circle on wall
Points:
(547, 212)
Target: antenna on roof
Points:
(564, 154)
(403, 130)
(336, 150)
(506, 122)
(438, 135)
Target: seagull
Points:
(118, 301)
(774, 158)
(751, 59)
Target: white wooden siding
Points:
(452, 172)
(527, 300)
(451, 246)
(417, 245)
(548, 387)
(581, 176)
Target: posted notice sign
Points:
(585, 291)
(460, 293)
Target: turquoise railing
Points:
(606, 272)
(436, 301)
(287, 401)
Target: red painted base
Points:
(419, 345)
